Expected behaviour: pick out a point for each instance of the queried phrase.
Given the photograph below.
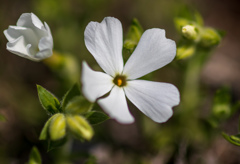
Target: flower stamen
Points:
(120, 80)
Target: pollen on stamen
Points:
(119, 82)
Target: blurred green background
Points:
(143, 142)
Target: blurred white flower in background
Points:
(30, 39)
(155, 99)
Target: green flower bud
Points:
(222, 111)
(79, 127)
(190, 32)
(133, 36)
(185, 51)
(210, 37)
(57, 127)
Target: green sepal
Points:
(57, 127)
(95, 117)
(180, 23)
(198, 18)
(78, 105)
(71, 93)
(44, 133)
(48, 101)
(133, 36)
(234, 139)
(34, 157)
(210, 37)
(79, 127)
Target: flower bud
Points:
(79, 127)
(190, 32)
(30, 39)
(57, 128)
(185, 51)
(210, 37)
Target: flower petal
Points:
(45, 43)
(116, 106)
(89, 37)
(30, 20)
(14, 32)
(95, 84)
(154, 99)
(49, 33)
(153, 51)
(18, 47)
(104, 41)
(43, 54)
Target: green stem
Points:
(191, 98)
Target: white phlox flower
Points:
(155, 99)
(30, 38)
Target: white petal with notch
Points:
(154, 99)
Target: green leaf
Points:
(95, 117)
(71, 93)
(55, 144)
(57, 127)
(198, 18)
(44, 132)
(49, 102)
(80, 128)
(35, 157)
(78, 105)
(234, 139)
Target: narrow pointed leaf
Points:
(234, 139)
(71, 93)
(35, 157)
(49, 102)
(44, 132)
(78, 105)
(95, 117)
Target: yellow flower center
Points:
(120, 80)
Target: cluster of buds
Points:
(195, 35)
(74, 114)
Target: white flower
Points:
(104, 41)
(30, 38)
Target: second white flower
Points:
(104, 41)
